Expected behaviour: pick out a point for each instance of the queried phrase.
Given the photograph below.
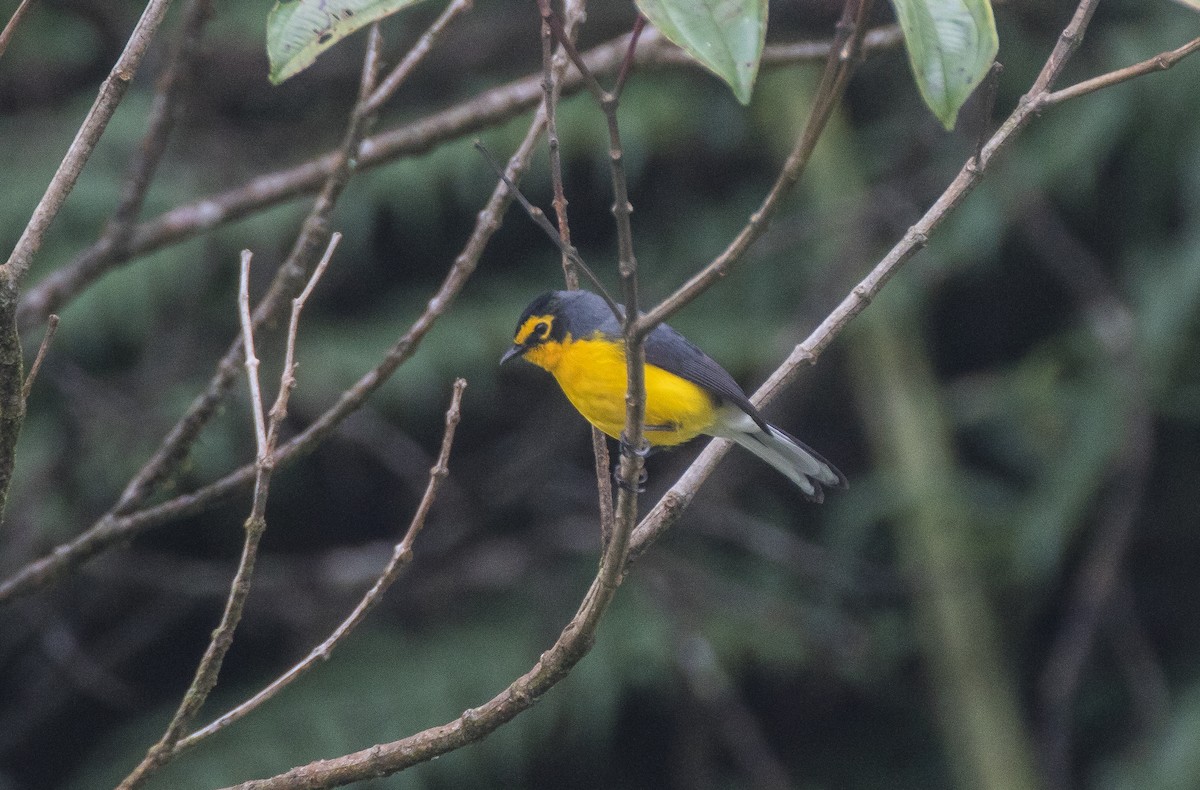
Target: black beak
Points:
(515, 351)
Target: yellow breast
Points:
(592, 374)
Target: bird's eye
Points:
(541, 330)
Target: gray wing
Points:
(674, 353)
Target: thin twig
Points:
(164, 114)
(987, 106)
(388, 86)
(111, 93)
(402, 555)
(568, 44)
(256, 401)
(51, 328)
(551, 90)
(539, 218)
(209, 668)
(12, 404)
(1160, 62)
(840, 65)
(288, 381)
(632, 440)
(11, 28)
(639, 25)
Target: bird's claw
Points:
(641, 451)
(636, 488)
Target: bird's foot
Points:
(641, 451)
(638, 487)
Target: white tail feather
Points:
(799, 463)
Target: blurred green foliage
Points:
(808, 614)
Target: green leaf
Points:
(725, 36)
(951, 45)
(299, 30)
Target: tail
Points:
(800, 463)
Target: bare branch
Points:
(287, 381)
(51, 328)
(209, 668)
(539, 218)
(9, 29)
(402, 555)
(111, 93)
(388, 86)
(639, 25)
(553, 66)
(839, 66)
(289, 279)
(256, 400)
(161, 121)
(1160, 62)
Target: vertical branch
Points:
(553, 66)
(633, 444)
(12, 387)
(256, 401)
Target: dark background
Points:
(764, 637)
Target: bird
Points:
(576, 337)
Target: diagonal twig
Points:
(538, 216)
(111, 93)
(209, 667)
(11, 27)
(839, 66)
(388, 85)
(402, 555)
(1160, 62)
(51, 328)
